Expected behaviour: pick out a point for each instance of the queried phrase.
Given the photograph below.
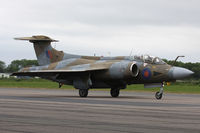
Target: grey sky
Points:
(162, 28)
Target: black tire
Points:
(114, 92)
(158, 95)
(83, 92)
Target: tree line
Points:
(16, 65)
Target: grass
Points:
(184, 87)
(31, 83)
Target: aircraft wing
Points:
(67, 70)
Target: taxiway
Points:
(63, 111)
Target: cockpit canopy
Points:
(150, 59)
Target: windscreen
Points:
(150, 59)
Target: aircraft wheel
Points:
(158, 95)
(114, 92)
(83, 92)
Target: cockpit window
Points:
(149, 59)
(158, 61)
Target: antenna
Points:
(55, 45)
(177, 59)
(109, 53)
(131, 52)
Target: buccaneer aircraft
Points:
(88, 72)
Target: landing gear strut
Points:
(114, 92)
(83, 92)
(60, 85)
(159, 94)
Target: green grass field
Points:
(187, 87)
(30, 83)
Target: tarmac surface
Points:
(63, 111)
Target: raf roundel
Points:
(49, 54)
(146, 73)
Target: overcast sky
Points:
(164, 28)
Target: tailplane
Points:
(43, 49)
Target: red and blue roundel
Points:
(146, 73)
(49, 54)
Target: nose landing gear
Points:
(159, 94)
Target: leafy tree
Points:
(2, 67)
(16, 65)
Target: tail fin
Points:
(43, 49)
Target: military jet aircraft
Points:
(88, 72)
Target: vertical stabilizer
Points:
(43, 49)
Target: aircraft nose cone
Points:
(180, 73)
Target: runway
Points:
(63, 111)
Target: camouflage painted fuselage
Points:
(87, 72)
(101, 72)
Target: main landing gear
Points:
(159, 94)
(114, 92)
(83, 92)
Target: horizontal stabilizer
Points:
(37, 38)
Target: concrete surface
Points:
(63, 111)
